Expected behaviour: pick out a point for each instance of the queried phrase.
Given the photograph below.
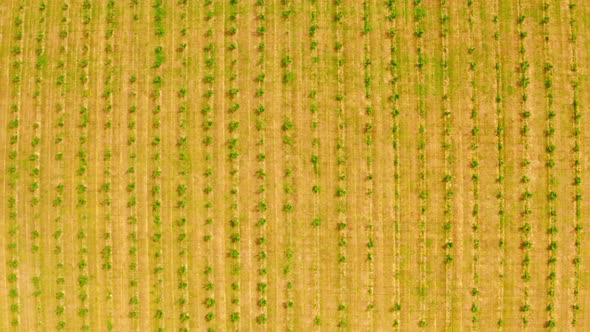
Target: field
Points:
(294, 165)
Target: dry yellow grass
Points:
(282, 165)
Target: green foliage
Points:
(261, 319)
(210, 302)
(288, 77)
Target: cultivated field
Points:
(294, 165)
